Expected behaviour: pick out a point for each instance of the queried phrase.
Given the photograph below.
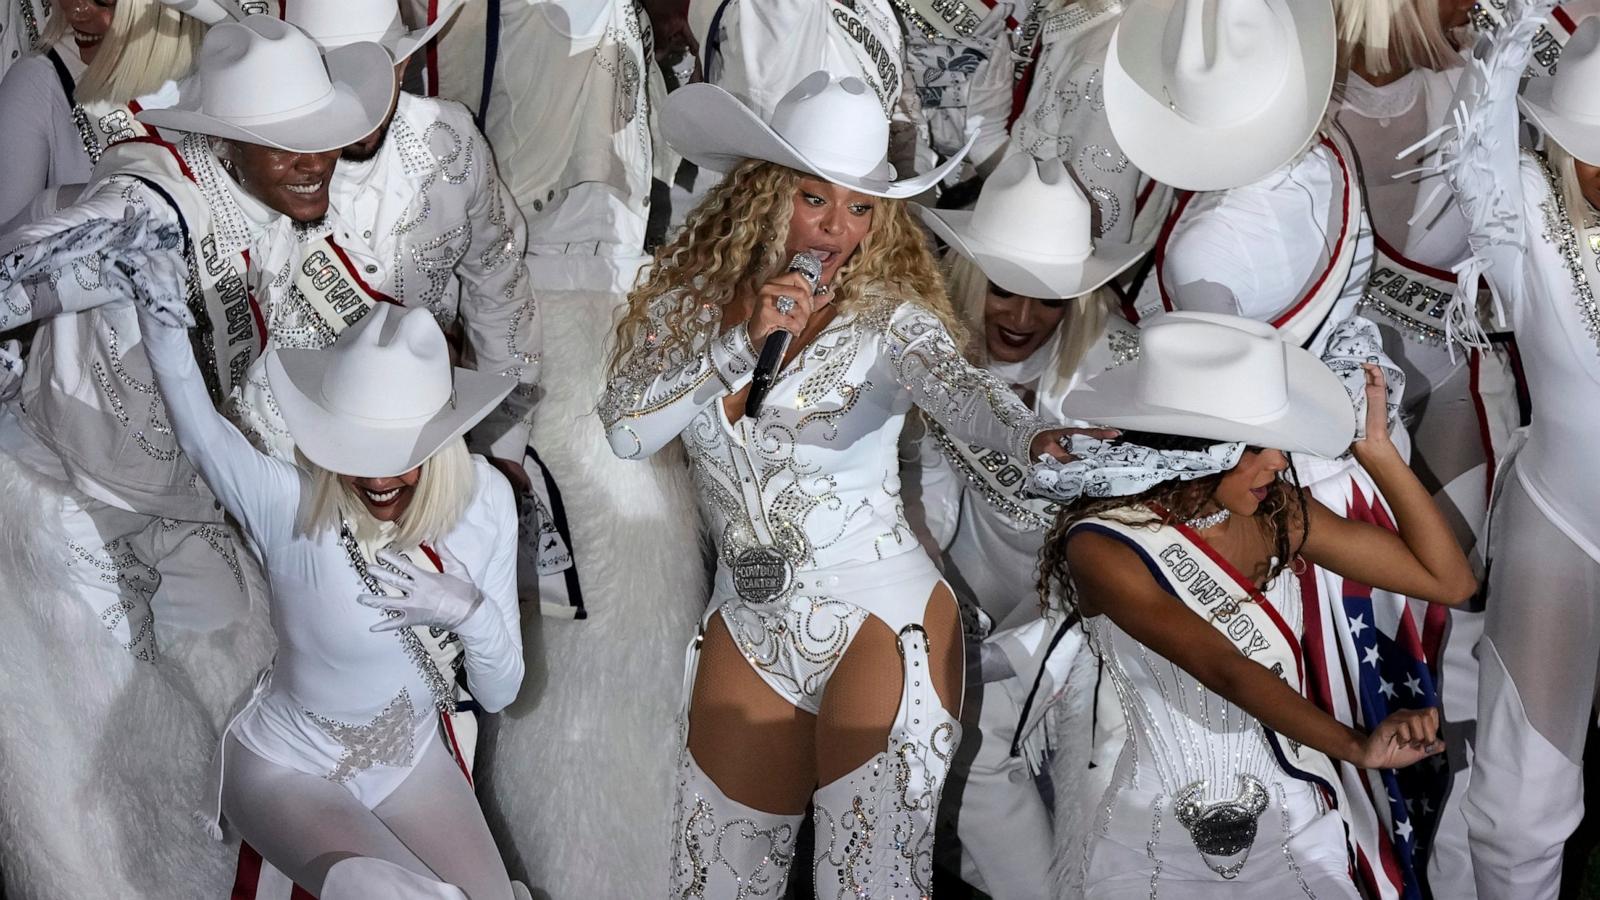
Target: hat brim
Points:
(350, 446)
(413, 41)
(714, 130)
(1040, 279)
(1318, 419)
(1173, 150)
(1580, 139)
(363, 90)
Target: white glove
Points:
(440, 599)
(11, 368)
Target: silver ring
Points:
(785, 305)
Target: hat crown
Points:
(240, 60)
(1573, 93)
(1214, 365)
(334, 24)
(1036, 209)
(1222, 61)
(835, 123)
(392, 367)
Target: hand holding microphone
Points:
(783, 307)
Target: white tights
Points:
(303, 824)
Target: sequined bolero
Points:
(817, 477)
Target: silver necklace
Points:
(1201, 523)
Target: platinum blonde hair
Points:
(1394, 34)
(148, 44)
(1082, 325)
(443, 492)
(1579, 209)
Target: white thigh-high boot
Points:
(874, 826)
(722, 849)
(1525, 797)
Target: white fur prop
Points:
(576, 777)
(103, 759)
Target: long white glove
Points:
(440, 599)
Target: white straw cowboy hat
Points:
(1030, 232)
(383, 398)
(1207, 95)
(338, 23)
(262, 81)
(829, 127)
(1223, 378)
(1566, 106)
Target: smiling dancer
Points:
(65, 104)
(829, 669)
(1026, 277)
(1176, 546)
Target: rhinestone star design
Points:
(384, 741)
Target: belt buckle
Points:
(1224, 830)
(761, 574)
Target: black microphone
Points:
(777, 343)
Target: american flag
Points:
(1370, 653)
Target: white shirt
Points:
(40, 143)
(429, 222)
(758, 50)
(329, 664)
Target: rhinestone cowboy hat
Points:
(1030, 232)
(337, 24)
(1566, 106)
(1222, 378)
(262, 81)
(1207, 95)
(832, 128)
(383, 398)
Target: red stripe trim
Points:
(1474, 364)
(1256, 595)
(255, 308)
(430, 54)
(1389, 251)
(1565, 19)
(355, 272)
(455, 747)
(1319, 688)
(134, 107)
(1333, 256)
(432, 556)
(170, 148)
(300, 893)
(248, 876)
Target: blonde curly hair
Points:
(733, 242)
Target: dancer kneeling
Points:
(1173, 547)
(387, 525)
(832, 655)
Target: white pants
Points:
(1002, 823)
(1539, 657)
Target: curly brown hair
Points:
(733, 242)
(1281, 516)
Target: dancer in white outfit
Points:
(1533, 235)
(1026, 277)
(338, 751)
(831, 654)
(1173, 549)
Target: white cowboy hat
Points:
(1207, 95)
(1566, 106)
(1030, 232)
(262, 81)
(1223, 378)
(211, 12)
(829, 127)
(337, 24)
(383, 398)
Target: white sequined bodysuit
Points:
(805, 513)
(1189, 744)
